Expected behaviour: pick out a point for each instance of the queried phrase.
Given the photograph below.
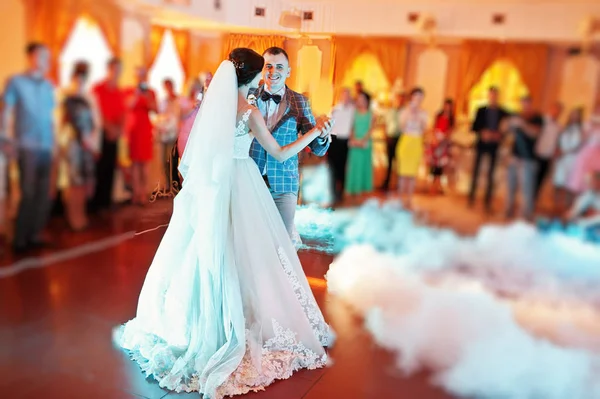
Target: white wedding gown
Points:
(225, 317)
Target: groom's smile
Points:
(276, 71)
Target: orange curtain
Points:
(182, 40)
(156, 36)
(346, 51)
(531, 59)
(476, 57)
(391, 53)
(110, 18)
(258, 43)
(52, 21)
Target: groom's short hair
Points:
(276, 51)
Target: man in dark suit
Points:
(487, 128)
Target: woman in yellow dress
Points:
(409, 152)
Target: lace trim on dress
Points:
(241, 126)
(281, 356)
(312, 311)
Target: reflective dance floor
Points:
(58, 307)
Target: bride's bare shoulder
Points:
(246, 109)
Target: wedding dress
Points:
(225, 308)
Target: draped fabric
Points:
(52, 21)
(182, 40)
(156, 37)
(258, 43)
(391, 53)
(530, 59)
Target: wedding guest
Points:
(189, 112)
(588, 158)
(142, 102)
(392, 130)
(526, 128)
(487, 128)
(546, 145)
(167, 127)
(343, 114)
(413, 124)
(569, 144)
(111, 102)
(585, 211)
(29, 97)
(5, 154)
(359, 179)
(358, 88)
(438, 150)
(81, 124)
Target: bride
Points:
(226, 308)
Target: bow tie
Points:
(268, 96)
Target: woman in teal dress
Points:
(359, 175)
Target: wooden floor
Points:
(58, 308)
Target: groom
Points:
(286, 114)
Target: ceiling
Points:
(525, 19)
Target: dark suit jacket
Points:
(480, 124)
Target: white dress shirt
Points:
(343, 115)
(269, 109)
(548, 140)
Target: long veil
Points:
(189, 328)
(207, 160)
(207, 169)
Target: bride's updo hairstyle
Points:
(248, 63)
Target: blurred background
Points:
(465, 70)
(453, 50)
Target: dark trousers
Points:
(543, 167)
(34, 179)
(175, 164)
(168, 165)
(491, 153)
(392, 142)
(337, 157)
(105, 175)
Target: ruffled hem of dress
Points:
(281, 357)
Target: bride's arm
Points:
(265, 138)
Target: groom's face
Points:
(276, 71)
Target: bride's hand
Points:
(326, 128)
(320, 122)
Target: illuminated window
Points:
(366, 68)
(506, 77)
(86, 43)
(166, 65)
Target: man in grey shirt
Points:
(29, 102)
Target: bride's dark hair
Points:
(248, 63)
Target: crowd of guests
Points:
(69, 146)
(107, 129)
(408, 140)
(541, 149)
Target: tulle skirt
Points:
(238, 325)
